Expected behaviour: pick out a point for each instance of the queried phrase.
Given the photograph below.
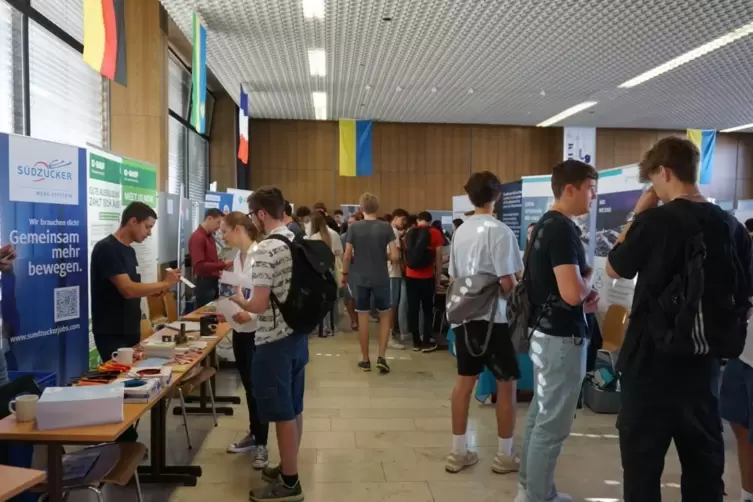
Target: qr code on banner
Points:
(66, 303)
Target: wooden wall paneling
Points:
(222, 140)
(722, 186)
(744, 185)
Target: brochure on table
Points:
(619, 190)
(43, 214)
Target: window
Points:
(176, 162)
(198, 166)
(179, 87)
(67, 14)
(11, 70)
(67, 102)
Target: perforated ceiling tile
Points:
(483, 61)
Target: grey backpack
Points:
(471, 297)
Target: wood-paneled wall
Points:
(421, 166)
(222, 140)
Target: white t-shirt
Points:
(483, 244)
(272, 268)
(244, 268)
(337, 244)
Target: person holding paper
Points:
(239, 232)
(206, 265)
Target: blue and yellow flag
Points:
(705, 142)
(355, 148)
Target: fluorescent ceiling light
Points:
(738, 128)
(570, 111)
(689, 56)
(317, 62)
(320, 105)
(313, 9)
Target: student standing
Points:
(560, 284)
(116, 288)
(485, 245)
(373, 242)
(670, 394)
(281, 354)
(321, 208)
(239, 232)
(399, 222)
(205, 263)
(292, 225)
(321, 232)
(423, 271)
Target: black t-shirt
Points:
(111, 313)
(654, 250)
(557, 243)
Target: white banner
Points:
(580, 144)
(461, 204)
(240, 198)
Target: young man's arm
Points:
(629, 254)
(112, 266)
(506, 258)
(563, 247)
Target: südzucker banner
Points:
(43, 214)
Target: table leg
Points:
(55, 472)
(158, 471)
(205, 407)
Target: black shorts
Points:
(499, 356)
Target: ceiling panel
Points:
(483, 61)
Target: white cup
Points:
(24, 407)
(123, 355)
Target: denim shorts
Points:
(736, 395)
(278, 377)
(396, 285)
(363, 296)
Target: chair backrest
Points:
(171, 307)
(615, 322)
(146, 329)
(156, 308)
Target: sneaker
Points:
(504, 464)
(394, 344)
(365, 365)
(521, 496)
(429, 347)
(383, 366)
(261, 457)
(277, 492)
(417, 348)
(248, 443)
(456, 462)
(272, 474)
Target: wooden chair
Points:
(109, 456)
(171, 307)
(131, 455)
(189, 383)
(613, 332)
(147, 329)
(157, 314)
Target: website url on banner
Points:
(45, 332)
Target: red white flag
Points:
(243, 128)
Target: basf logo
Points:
(42, 171)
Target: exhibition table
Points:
(157, 471)
(14, 480)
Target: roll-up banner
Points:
(219, 200)
(510, 206)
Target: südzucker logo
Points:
(41, 171)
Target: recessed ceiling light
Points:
(320, 105)
(398, 89)
(317, 62)
(433, 89)
(313, 9)
(368, 87)
(738, 128)
(689, 56)
(470, 91)
(567, 113)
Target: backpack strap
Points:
(273, 300)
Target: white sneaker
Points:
(394, 344)
(521, 496)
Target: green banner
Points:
(139, 183)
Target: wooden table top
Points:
(15, 480)
(197, 314)
(10, 430)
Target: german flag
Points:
(104, 38)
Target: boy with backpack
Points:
(293, 288)
(423, 271)
(690, 309)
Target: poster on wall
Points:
(619, 190)
(219, 200)
(43, 215)
(580, 144)
(536, 199)
(510, 206)
(240, 198)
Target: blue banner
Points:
(218, 200)
(43, 215)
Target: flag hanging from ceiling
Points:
(355, 148)
(243, 128)
(705, 141)
(199, 74)
(104, 38)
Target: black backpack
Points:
(703, 310)
(313, 291)
(418, 248)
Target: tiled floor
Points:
(383, 438)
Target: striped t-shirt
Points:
(272, 268)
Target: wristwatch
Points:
(630, 217)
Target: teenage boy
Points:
(666, 396)
(205, 262)
(373, 242)
(281, 355)
(292, 225)
(425, 243)
(485, 245)
(560, 293)
(399, 222)
(339, 219)
(321, 208)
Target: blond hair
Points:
(236, 218)
(369, 203)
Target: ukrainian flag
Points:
(705, 142)
(355, 148)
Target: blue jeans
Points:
(559, 366)
(371, 297)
